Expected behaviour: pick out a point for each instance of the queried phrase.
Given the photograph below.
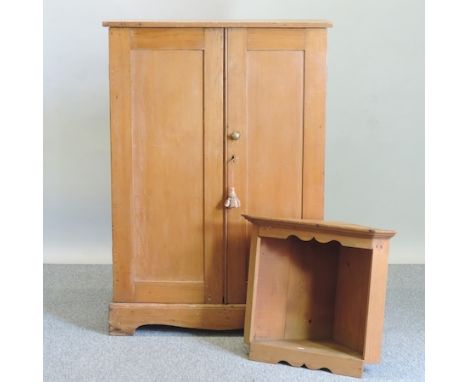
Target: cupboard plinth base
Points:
(125, 318)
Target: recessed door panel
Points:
(274, 133)
(167, 156)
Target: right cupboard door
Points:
(275, 100)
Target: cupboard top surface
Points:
(322, 225)
(218, 23)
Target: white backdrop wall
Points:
(375, 114)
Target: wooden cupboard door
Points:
(276, 101)
(167, 164)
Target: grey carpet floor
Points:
(78, 348)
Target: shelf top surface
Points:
(324, 347)
(218, 23)
(321, 225)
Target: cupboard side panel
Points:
(314, 123)
(121, 163)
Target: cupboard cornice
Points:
(219, 24)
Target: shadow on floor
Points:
(227, 340)
(78, 295)
(87, 309)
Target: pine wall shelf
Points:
(316, 293)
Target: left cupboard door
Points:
(166, 101)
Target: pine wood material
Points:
(148, 75)
(316, 293)
(376, 309)
(314, 124)
(177, 92)
(213, 162)
(121, 162)
(219, 24)
(311, 354)
(276, 100)
(124, 318)
(237, 236)
(168, 38)
(321, 226)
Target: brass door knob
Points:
(235, 135)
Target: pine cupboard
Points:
(199, 109)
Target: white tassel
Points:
(232, 200)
